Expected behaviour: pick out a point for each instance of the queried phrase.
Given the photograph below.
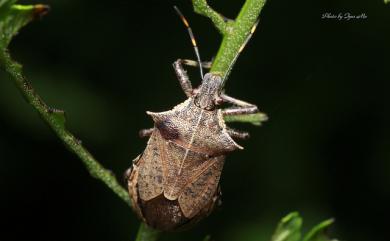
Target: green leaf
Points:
(387, 1)
(318, 233)
(256, 119)
(13, 17)
(289, 228)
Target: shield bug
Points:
(175, 181)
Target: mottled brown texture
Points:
(174, 183)
(197, 193)
(206, 127)
(175, 180)
(163, 214)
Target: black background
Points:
(324, 84)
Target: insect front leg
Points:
(193, 63)
(240, 110)
(241, 107)
(182, 76)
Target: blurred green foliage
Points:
(289, 229)
(15, 17)
(12, 18)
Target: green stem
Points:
(146, 233)
(234, 34)
(201, 7)
(56, 120)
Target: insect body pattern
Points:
(175, 181)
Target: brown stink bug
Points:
(175, 181)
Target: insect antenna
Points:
(193, 41)
(253, 29)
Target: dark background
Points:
(324, 84)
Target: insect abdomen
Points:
(193, 201)
(162, 213)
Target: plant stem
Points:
(234, 32)
(201, 7)
(234, 37)
(56, 120)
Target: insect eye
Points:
(210, 107)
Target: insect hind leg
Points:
(237, 134)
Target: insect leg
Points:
(182, 76)
(242, 108)
(234, 101)
(145, 132)
(237, 134)
(193, 63)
